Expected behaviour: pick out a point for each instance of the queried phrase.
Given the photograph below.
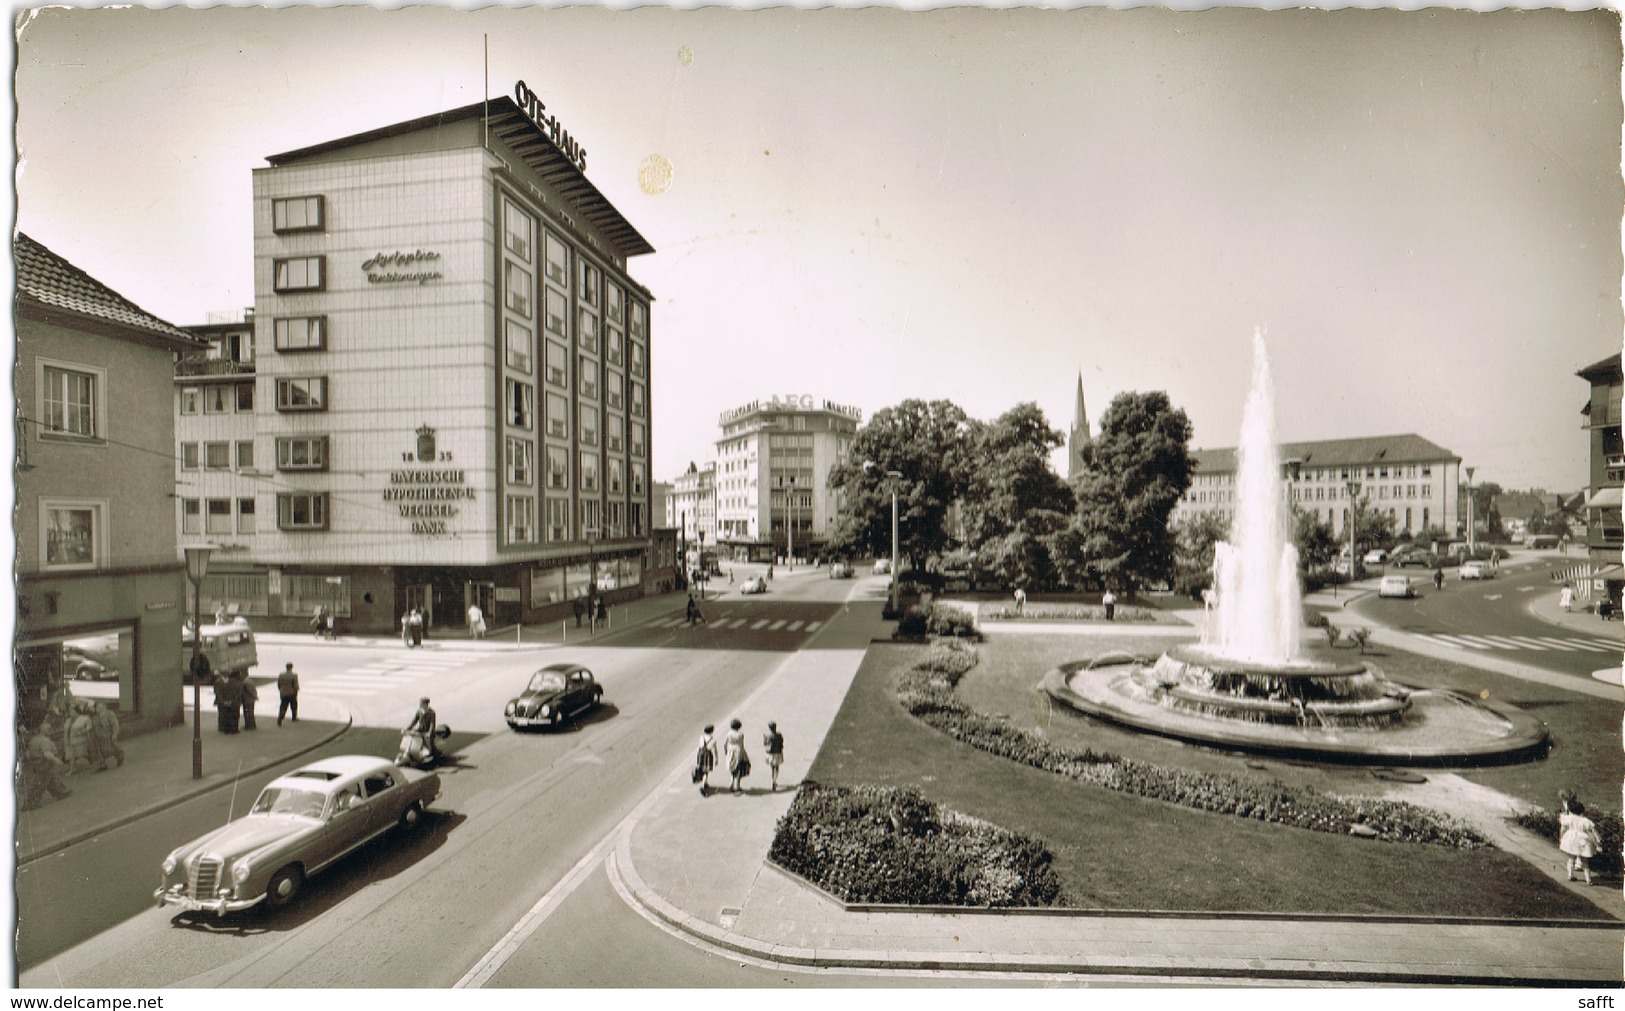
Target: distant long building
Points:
(1411, 480)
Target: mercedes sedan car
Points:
(554, 694)
(301, 823)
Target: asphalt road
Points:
(1497, 609)
(518, 814)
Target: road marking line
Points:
(812, 625)
(1606, 644)
(777, 625)
(794, 626)
(1510, 642)
(1553, 643)
(1458, 642)
(759, 623)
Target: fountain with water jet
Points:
(1248, 686)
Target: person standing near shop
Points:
(476, 622)
(287, 686)
(416, 621)
(228, 702)
(1109, 601)
(104, 731)
(251, 697)
(42, 771)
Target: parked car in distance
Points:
(1396, 586)
(301, 823)
(1376, 556)
(840, 570)
(882, 566)
(554, 694)
(81, 666)
(755, 584)
(1417, 559)
(229, 648)
(1476, 570)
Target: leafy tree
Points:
(1142, 465)
(1194, 540)
(1013, 500)
(928, 443)
(1317, 544)
(1371, 526)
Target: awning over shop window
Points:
(1604, 498)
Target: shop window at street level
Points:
(299, 273)
(300, 333)
(298, 214)
(301, 511)
(301, 393)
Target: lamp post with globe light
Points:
(1354, 516)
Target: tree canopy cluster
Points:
(981, 496)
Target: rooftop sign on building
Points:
(532, 106)
(790, 402)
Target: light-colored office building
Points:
(772, 474)
(450, 393)
(1405, 477)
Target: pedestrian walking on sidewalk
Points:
(406, 629)
(1021, 601)
(476, 622)
(104, 730)
(1577, 839)
(1565, 600)
(332, 632)
(287, 686)
(773, 744)
(1109, 600)
(1438, 577)
(733, 748)
(251, 697)
(42, 771)
(705, 759)
(577, 606)
(416, 622)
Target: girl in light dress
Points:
(706, 759)
(1577, 838)
(733, 747)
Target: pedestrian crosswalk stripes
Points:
(388, 673)
(750, 624)
(1520, 642)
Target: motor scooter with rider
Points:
(421, 737)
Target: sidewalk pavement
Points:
(698, 864)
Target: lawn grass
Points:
(1124, 852)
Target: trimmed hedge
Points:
(1610, 858)
(937, 619)
(871, 844)
(1068, 612)
(929, 696)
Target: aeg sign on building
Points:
(451, 382)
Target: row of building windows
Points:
(295, 511)
(1381, 492)
(221, 399)
(1411, 470)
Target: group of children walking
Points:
(735, 756)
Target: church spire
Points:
(1077, 440)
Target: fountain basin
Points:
(1304, 709)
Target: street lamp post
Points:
(790, 527)
(895, 476)
(197, 567)
(1354, 517)
(1471, 522)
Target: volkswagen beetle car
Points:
(1396, 586)
(755, 584)
(840, 570)
(1476, 570)
(554, 694)
(299, 824)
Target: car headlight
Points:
(240, 872)
(508, 711)
(545, 710)
(169, 865)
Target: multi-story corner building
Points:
(1405, 477)
(216, 429)
(100, 584)
(1605, 530)
(451, 381)
(691, 508)
(772, 474)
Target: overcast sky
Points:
(1422, 209)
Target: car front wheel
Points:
(285, 884)
(412, 816)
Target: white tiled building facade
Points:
(1405, 477)
(772, 472)
(451, 380)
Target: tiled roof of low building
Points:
(1371, 450)
(49, 280)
